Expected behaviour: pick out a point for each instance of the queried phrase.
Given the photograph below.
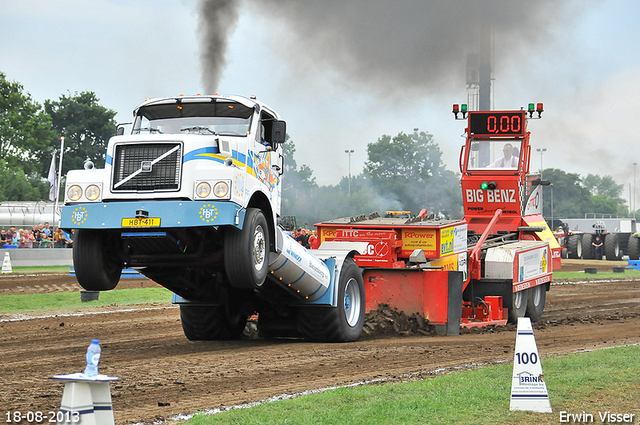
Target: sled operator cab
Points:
(494, 163)
(514, 251)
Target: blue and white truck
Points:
(190, 197)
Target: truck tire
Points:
(246, 251)
(574, 246)
(612, 247)
(344, 322)
(535, 302)
(587, 248)
(210, 323)
(518, 305)
(634, 247)
(95, 260)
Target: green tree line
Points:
(406, 172)
(30, 135)
(402, 172)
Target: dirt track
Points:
(163, 374)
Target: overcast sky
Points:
(343, 73)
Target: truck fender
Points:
(336, 252)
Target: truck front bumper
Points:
(151, 214)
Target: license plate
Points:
(141, 222)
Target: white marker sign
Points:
(528, 389)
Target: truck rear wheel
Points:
(246, 252)
(574, 246)
(209, 323)
(95, 260)
(535, 302)
(634, 247)
(612, 247)
(518, 305)
(344, 322)
(587, 248)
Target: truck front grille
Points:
(147, 167)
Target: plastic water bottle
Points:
(93, 357)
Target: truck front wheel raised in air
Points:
(246, 251)
(95, 259)
(518, 305)
(344, 322)
(535, 302)
(209, 323)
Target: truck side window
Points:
(266, 124)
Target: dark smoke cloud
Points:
(217, 19)
(391, 45)
(385, 45)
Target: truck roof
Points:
(248, 102)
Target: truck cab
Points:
(189, 196)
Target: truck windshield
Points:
(494, 154)
(220, 118)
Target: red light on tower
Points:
(539, 109)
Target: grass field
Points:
(592, 382)
(56, 301)
(580, 275)
(40, 270)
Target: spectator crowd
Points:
(305, 237)
(41, 236)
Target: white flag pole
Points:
(55, 210)
(52, 178)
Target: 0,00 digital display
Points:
(496, 123)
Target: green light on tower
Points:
(484, 186)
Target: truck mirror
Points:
(278, 131)
(121, 128)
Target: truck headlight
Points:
(203, 189)
(221, 189)
(74, 192)
(92, 192)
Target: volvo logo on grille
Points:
(146, 166)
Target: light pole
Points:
(543, 150)
(349, 152)
(634, 189)
(552, 224)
